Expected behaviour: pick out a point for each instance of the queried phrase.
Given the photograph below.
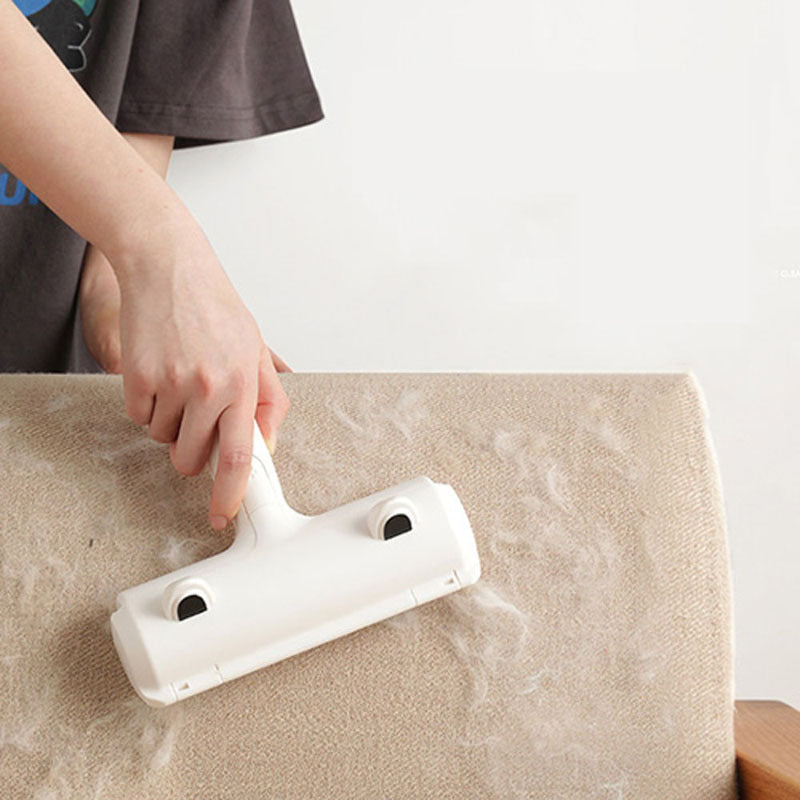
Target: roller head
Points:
(291, 582)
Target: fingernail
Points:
(271, 444)
(218, 522)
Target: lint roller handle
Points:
(263, 488)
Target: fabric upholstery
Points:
(593, 659)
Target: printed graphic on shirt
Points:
(13, 192)
(64, 25)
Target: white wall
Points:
(550, 185)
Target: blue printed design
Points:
(15, 194)
(28, 7)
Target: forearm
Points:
(56, 141)
(98, 275)
(154, 148)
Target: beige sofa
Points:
(593, 659)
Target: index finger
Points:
(235, 431)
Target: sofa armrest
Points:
(767, 750)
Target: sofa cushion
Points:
(593, 659)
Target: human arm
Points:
(99, 289)
(193, 359)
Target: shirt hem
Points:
(198, 125)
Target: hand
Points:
(194, 361)
(100, 302)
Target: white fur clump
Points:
(147, 735)
(407, 621)
(487, 632)
(25, 464)
(511, 446)
(59, 402)
(583, 563)
(540, 481)
(612, 440)
(154, 732)
(495, 641)
(643, 648)
(70, 769)
(556, 482)
(332, 486)
(26, 575)
(112, 446)
(367, 420)
(38, 568)
(21, 731)
(178, 553)
(143, 741)
(370, 418)
(584, 559)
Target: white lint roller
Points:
(290, 582)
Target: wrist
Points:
(148, 237)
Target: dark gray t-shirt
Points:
(202, 70)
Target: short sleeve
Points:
(216, 70)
